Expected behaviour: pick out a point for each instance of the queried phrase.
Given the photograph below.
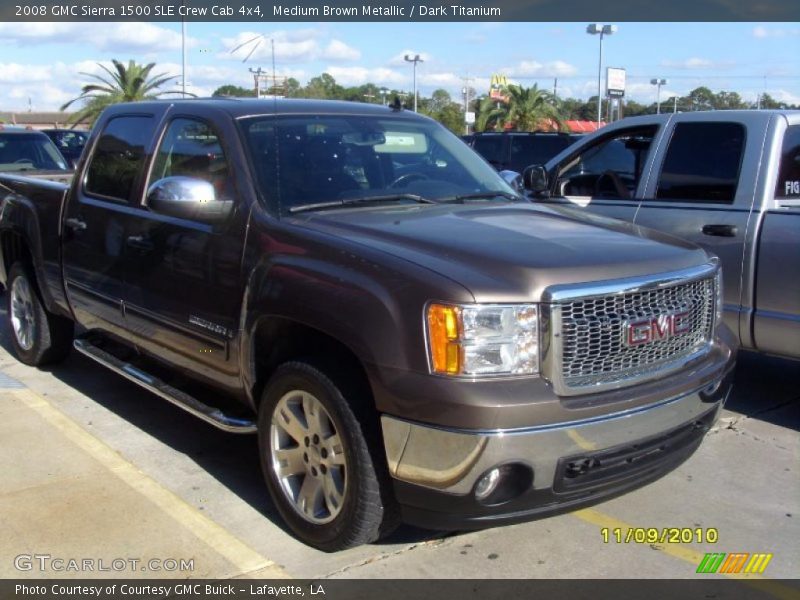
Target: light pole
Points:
(601, 30)
(384, 91)
(414, 60)
(183, 54)
(658, 83)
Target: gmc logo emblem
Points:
(657, 328)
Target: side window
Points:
(610, 168)
(702, 163)
(789, 174)
(191, 148)
(490, 147)
(119, 157)
(529, 150)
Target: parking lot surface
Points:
(94, 468)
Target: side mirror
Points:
(188, 198)
(513, 179)
(534, 178)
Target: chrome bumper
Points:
(451, 461)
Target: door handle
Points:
(75, 224)
(720, 230)
(140, 243)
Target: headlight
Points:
(474, 339)
(719, 300)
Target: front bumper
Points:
(436, 469)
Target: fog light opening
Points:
(503, 483)
(487, 484)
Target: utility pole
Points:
(183, 53)
(555, 88)
(465, 91)
(416, 59)
(256, 77)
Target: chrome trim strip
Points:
(582, 291)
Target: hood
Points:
(510, 252)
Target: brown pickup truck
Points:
(408, 337)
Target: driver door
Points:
(606, 175)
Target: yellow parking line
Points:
(245, 558)
(680, 551)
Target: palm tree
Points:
(529, 109)
(488, 114)
(124, 84)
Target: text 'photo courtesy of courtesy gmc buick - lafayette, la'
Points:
(409, 338)
(728, 181)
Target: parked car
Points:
(408, 337)
(515, 150)
(25, 150)
(726, 180)
(70, 143)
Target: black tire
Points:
(50, 336)
(368, 510)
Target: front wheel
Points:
(321, 460)
(38, 336)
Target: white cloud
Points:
(14, 73)
(117, 37)
(762, 32)
(785, 96)
(302, 45)
(338, 50)
(361, 75)
(534, 68)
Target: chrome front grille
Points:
(592, 343)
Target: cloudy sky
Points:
(41, 63)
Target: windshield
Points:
(320, 161)
(23, 152)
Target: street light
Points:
(601, 30)
(384, 91)
(658, 83)
(414, 60)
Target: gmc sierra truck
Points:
(728, 181)
(408, 337)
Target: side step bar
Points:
(180, 399)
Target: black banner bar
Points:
(704, 587)
(419, 11)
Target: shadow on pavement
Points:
(767, 388)
(230, 458)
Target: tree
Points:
(487, 114)
(529, 109)
(124, 84)
(323, 86)
(234, 91)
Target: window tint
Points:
(191, 148)
(702, 163)
(529, 150)
(789, 174)
(610, 168)
(26, 151)
(119, 156)
(490, 147)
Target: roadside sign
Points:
(615, 82)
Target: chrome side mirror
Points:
(534, 178)
(513, 179)
(188, 198)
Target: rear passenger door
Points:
(96, 224)
(703, 194)
(777, 306)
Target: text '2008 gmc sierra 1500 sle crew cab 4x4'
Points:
(409, 338)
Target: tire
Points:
(39, 337)
(319, 441)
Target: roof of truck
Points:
(242, 107)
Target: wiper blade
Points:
(360, 200)
(478, 196)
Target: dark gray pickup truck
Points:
(409, 338)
